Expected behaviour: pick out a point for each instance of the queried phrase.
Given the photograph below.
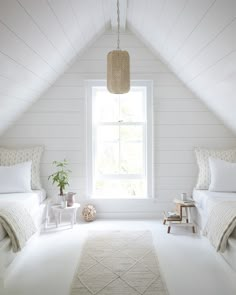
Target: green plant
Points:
(61, 176)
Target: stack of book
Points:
(172, 215)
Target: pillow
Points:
(10, 157)
(223, 176)
(202, 156)
(15, 179)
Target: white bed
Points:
(30, 200)
(204, 200)
(35, 202)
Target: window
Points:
(119, 145)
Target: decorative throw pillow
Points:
(10, 157)
(223, 176)
(202, 156)
(16, 178)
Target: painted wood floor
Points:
(189, 264)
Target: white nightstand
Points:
(58, 210)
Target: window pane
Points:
(120, 188)
(131, 133)
(119, 143)
(107, 158)
(127, 107)
(107, 133)
(132, 107)
(131, 158)
(106, 107)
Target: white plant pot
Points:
(62, 200)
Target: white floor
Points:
(189, 264)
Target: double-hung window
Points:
(120, 141)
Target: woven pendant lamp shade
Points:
(118, 73)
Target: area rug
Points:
(118, 263)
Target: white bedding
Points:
(206, 199)
(31, 201)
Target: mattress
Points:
(205, 199)
(31, 201)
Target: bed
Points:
(35, 203)
(204, 200)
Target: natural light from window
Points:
(119, 143)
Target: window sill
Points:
(118, 198)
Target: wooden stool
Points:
(179, 218)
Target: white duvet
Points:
(31, 201)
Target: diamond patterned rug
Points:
(118, 263)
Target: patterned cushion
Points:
(10, 157)
(202, 155)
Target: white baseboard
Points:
(129, 215)
(128, 209)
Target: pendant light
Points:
(118, 69)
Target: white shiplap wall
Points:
(38, 41)
(197, 39)
(181, 122)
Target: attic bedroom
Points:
(117, 147)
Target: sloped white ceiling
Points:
(40, 38)
(38, 41)
(196, 38)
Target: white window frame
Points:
(148, 145)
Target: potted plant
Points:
(61, 177)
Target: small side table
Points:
(58, 210)
(181, 219)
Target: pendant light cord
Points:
(118, 25)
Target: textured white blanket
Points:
(18, 224)
(220, 224)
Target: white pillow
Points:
(15, 179)
(202, 156)
(223, 176)
(10, 157)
